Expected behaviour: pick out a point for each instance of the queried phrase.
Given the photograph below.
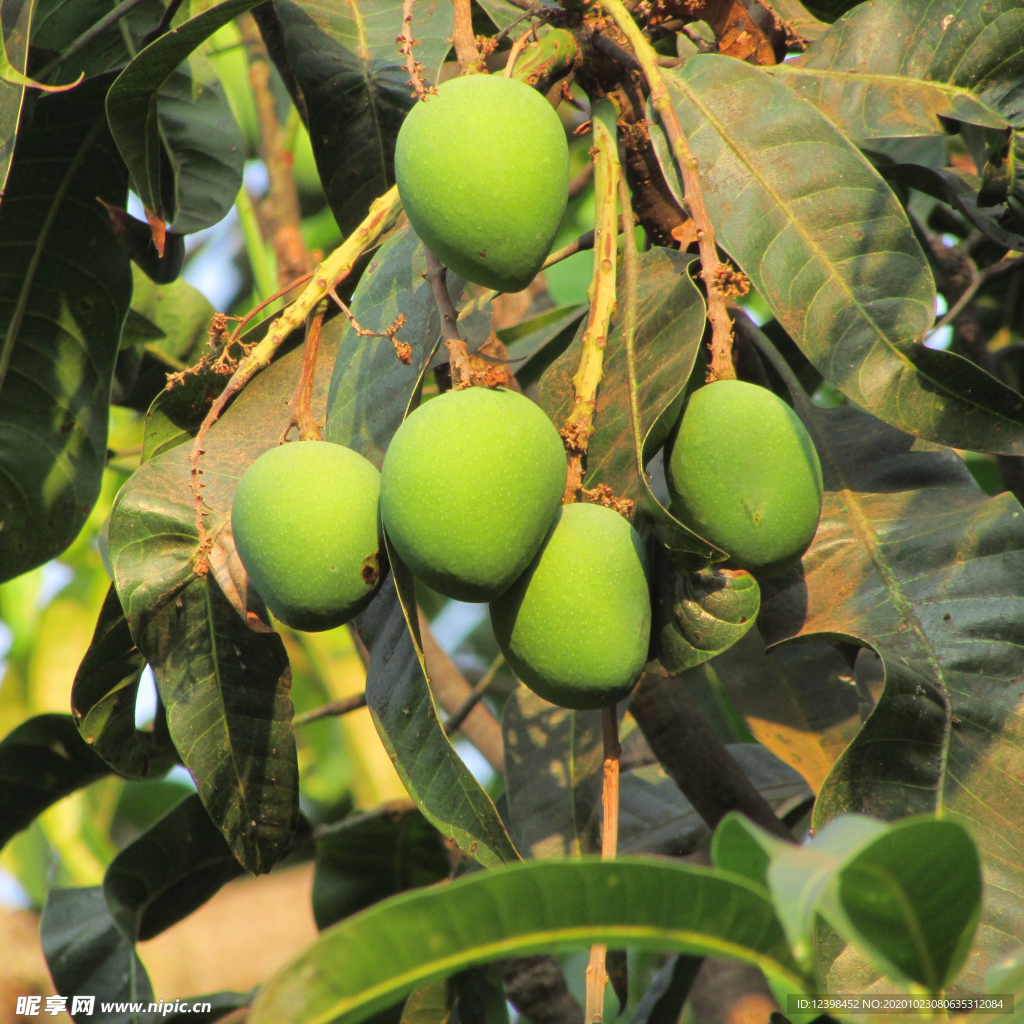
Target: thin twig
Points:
(581, 244)
(597, 975)
(336, 267)
(405, 47)
(403, 350)
(165, 23)
(517, 48)
(91, 33)
(579, 423)
(331, 710)
(458, 359)
(454, 723)
(259, 307)
(711, 269)
(969, 292)
(301, 415)
(580, 182)
(466, 50)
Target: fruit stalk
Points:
(597, 974)
(466, 50)
(302, 416)
(335, 268)
(714, 274)
(579, 423)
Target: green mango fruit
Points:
(743, 473)
(471, 482)
(576, 626)
(306, 526)
(483, 173)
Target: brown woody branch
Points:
(464, 41)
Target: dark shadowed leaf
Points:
(103, 699)
(663, 999)
(168, 872)
(64, 296)
(368, 857)
(371, 393)
(225, 686)
(87, 955)
(357, 89)
(177, 414)
(42, 760)
(406, 718)
(647, 387)
(893, 68)
(912, 560)
(371, 389)
(800, 700)
(359, 965)
(153, 105)
(553, 761)
(221, 1004)
(15, 23)
(830, 250)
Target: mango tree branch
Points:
(337, 266)
(579, 423)
(466, 50)
(712, 271)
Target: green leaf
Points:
(179, 311)
(670, 319)
(177, 413)
(961, 59)
(912, 560)
(204, 145)
(168, 872)
(501, 12)
(699, 615)
(371, 389)
(909, 894)
(407, 721)
(103, 700)
(366, 961)
(86, 954)
(225, 686)
(42, 760)
(357, 89)
(367, 857)
(13, 65)
(64, 296)
(145, 116)
(856, 297)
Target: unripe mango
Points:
(483, 173)
(576, 626)
(471, 482)
(743, 473)
(306, 527)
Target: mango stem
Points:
(715, 275)
(597, 974)
(579, 423)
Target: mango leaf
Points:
(403, 709)
(42, 760)
(64, 294)
(14, 57)
(371, 393)
(912, 560)
(357, 89)
(168, 872)
(87, 954)
(225, 686)
(175, 130)
(663, 999)
(553, 769)
(220, 1003)
(961, 60)
(364, 962)
(646, 386)
(908, 894)
(103, 700)
(799, 700)
(367, 857)
(698, 615)
(855, 298)
(177, 413)
(179, 312)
